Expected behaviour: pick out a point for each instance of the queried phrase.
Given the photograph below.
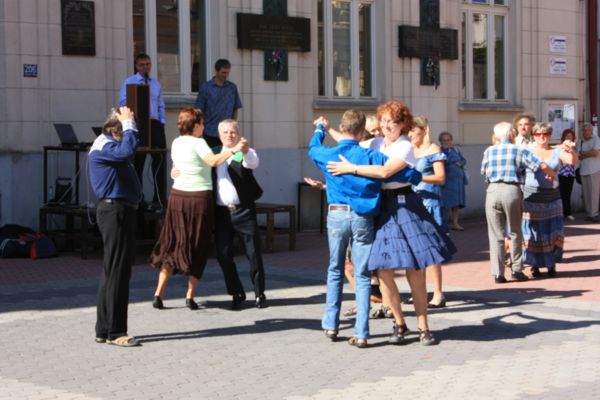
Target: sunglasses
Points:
(542, 134)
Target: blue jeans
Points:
(341, 227)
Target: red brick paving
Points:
(578, 276)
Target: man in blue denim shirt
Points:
(353, 202)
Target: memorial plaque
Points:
(78, 28)
(414, 41)
(273, 32)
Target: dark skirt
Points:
(407, 236)
(185, 235)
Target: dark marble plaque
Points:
(78, 28)
(414, 41)
(273, 32)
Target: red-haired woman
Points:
(407, 237)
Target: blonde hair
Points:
(421, 122)
(372, 122)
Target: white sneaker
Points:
(570, 218)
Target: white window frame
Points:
(185, 72)
(491, 10)
(354, 53)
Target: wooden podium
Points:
(138, 100)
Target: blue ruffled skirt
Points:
(407, 236)
(543, 233)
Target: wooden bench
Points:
(84, 235)
(270, 209)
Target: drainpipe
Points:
(593, 46)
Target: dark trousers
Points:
(159, 163)
(243, 222)
(116, 223)
(566, 188)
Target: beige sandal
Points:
(124, 341)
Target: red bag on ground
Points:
(41, 245)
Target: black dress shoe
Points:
(238, 300)
(500, 279)
(261, 301)
(535, 272)
(157, 303)
(552, 272)
(519, 276)
(191, 304)
(441, 304)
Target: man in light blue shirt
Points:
(143, 65)
(218, 99)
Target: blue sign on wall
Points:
(30, 70)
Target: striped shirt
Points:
(506, 162)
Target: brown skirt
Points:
(185, 235)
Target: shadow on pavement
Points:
(260, 326)
(496, 328)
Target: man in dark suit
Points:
(236, 190)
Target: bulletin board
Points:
(560, 114)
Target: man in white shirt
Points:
(523, 123)
(589, 167)
(236, 190)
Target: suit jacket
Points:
(243, 180)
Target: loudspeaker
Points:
(64, 191)
(138, 100)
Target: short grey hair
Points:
(542, 127)
(587, 125)
(233, 122)
(502, 131)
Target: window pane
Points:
(197, 43)
(139, 27)
(365, 52)
(167, 44)
(463, 53)
(499, 2)
(479, 1)
(479, 56)
(321, 44)
(342, 84)
(499, 71)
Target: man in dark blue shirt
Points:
(116, 184)
(353, 202)
(218, 98)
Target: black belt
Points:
(399, 191)
(121, 202)
(232, 207)
(339, 207)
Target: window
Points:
(345, 40)
(484, 50)
(173, 33)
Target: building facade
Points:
(503, 57)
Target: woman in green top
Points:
(182, 246)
